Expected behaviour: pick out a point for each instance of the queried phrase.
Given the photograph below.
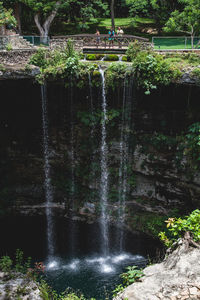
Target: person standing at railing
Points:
(97, 38)
(120, 33)
(111, 37)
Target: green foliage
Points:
(177, 227)
(150, 70)
(91, 57)
(118, 289)
(133, 50)
(19, 261)
(39, 58)
(64, 63)
(9, 47)
(6, 16)
(115, 75)
(192, 144)
(6, 263)
(111, 57)
(47, 293)
(96, 117)
(187, 19)
(132, 275)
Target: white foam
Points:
(74, 264)
(52, 265)
(120, 257)
(105, 268)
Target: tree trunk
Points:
(192, 37)
(44, 28)
(17, 12)
(112, 13)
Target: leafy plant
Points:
(132, 275)
(177, 227)
(192, 144)
(9, 47)
(6, 263)
(151, 70)
(115, 74)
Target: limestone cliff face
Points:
(159, 178)
(177, 277)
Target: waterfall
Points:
(72, 189)
(124, 159)
(47, 171)
(104, 172)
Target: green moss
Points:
(91, 56)
(111, 57)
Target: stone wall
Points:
(14, 42)
(16, 57)
(60, 43)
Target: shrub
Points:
(132, 275)
(151, 70)
(6, 263)
(133, 50)
(177, 227)
(39, 58)
(114, 74)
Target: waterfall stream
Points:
(47, 171)
(72, 189)
(124, 159)
(104, 172)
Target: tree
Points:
(6, 18)
(159, 10)
(187, 20)
(16, 6)
(44, 13)
(112, 13)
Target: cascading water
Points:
(124, 159)
(47, 171)
(72, 190)
(104, 172)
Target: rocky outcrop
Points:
(17, 286)
(177, 277)
(21, 71)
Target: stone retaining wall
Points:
(16, 57)
(61, 43)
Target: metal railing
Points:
(176, 43)
(37, 40)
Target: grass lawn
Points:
(129, 25)
(174, 43)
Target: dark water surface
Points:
(78, 262)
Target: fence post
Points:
(33, 41)
(185, 42)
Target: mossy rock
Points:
(111, 57)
